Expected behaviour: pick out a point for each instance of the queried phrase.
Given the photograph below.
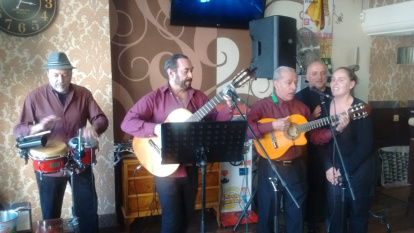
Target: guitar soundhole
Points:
(292, 132)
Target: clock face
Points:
(26, 17)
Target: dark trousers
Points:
(52, 190)
(177, 198)
(295, 178)
(316, 199)
(356, 212)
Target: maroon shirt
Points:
(266, 108)
(79, 107)
(154, 108)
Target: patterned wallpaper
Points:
(388, 80)
(81, 29)
(143, 39)
(122, 63)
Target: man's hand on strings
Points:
(281, 124)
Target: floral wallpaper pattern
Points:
(118, 48)
(389, 80)
(142, 39)
(81, 30)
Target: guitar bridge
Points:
(274, 142)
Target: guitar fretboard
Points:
(203, 111)
(240, 79)
(355, 112)
(317, 123)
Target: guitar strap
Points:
(281, 111)
(275, 99)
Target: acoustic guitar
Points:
(148, 150)
(276, 143)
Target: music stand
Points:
(202, 142)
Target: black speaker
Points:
(273, 44)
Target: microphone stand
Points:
(344, 170)
(273, 180)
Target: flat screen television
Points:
(216, 13)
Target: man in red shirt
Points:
(290, 166)
(63, 108)
(176, 192)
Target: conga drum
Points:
(49, 159)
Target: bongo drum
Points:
(50, 158)
(89, 148)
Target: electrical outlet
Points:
(243, 171)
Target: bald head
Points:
(317, 75)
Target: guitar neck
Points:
(203, 111)
(317, 123)
(238, 81)
(355, 112)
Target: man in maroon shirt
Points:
(64, 108)
(176, 192)
(291, 168)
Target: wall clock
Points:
(26, 17)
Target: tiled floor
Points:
(393, 201)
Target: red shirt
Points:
(154, 108)
(266, 108)
(80, 107)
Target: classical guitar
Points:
(148, 150)
(276, 143)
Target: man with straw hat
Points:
(65, 109)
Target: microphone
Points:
(229, 92)
(319, 92)
(234, 96)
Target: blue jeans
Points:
(52, 190)
(177, 198)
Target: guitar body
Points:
(149, 157)
(276, 143)
(148, 150)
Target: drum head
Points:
(51, 150)
(91, 143)
(73, 143)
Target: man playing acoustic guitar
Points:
(291, 168)
(176, 191)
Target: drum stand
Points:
(74, 222)
(77, 165)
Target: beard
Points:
(183, 84)
(62, 88)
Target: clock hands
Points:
(21, 1)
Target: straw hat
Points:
(59, 61)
